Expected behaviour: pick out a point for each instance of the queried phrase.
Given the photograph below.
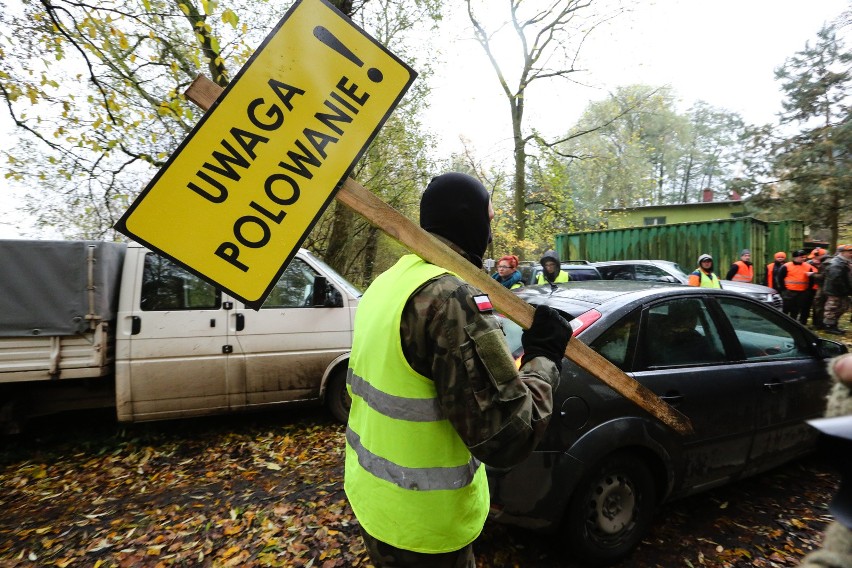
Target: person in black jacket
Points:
(836, 287)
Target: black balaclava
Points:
(455, 206)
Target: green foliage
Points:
(94, 130)
(635, 149)
(806, 175)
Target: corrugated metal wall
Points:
(684, 242)
(784, 235)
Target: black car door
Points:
(681, 356)
(781, 357)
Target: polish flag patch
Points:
(483, 303)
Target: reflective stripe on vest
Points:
(745, 272)
(409, 478)
(797, 276)
(416, 479)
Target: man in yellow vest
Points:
(703, 276)
(551, 271)
(436, 393)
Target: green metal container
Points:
(723, 239)
(784, 236)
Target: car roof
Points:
(576, 298)
(623, 262)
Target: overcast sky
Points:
(723, 52)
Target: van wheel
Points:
(611, 509)
(337, 397)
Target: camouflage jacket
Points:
(836, 549)
(499, 413)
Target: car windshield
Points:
(513, 336)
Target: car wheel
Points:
(610, 510)
(337, 398)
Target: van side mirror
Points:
(325, 295)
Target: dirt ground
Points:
(266, 490)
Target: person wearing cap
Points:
(771, 277)
(836, 444)
(436, 394)
(507, 272)
(742, 270)
(817, 278)
(794, 277)
(551, 271)
(836, 287)
(703, 276)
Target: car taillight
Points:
(584, 320)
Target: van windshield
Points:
(338, 279)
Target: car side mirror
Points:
(828, 349)
(669, 278)
(326, 295)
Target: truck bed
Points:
(56, 357)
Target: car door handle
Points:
(241, 322)
(672, 398)
(774, 387)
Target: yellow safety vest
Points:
(561, 277)
(702, 279)
(409, 477)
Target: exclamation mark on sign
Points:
(328, 38)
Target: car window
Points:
(294, 288)
(579, 274)
(618, 341)
(763, 333)
(616, 272)
(167, 287)
(680, 332)
(651, 273)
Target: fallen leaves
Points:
(268, 491)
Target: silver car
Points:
(666, 271)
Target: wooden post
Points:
(204, 92)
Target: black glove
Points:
(547, 336)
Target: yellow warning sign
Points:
(241, 193)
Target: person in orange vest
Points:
(771, 277)
(795, 278)
(741, 270)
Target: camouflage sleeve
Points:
(836, 550)
(500, 413)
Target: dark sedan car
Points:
(746, 375)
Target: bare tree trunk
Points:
(370, 250)
(341, 223)
(520, 194)
(341, 234)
